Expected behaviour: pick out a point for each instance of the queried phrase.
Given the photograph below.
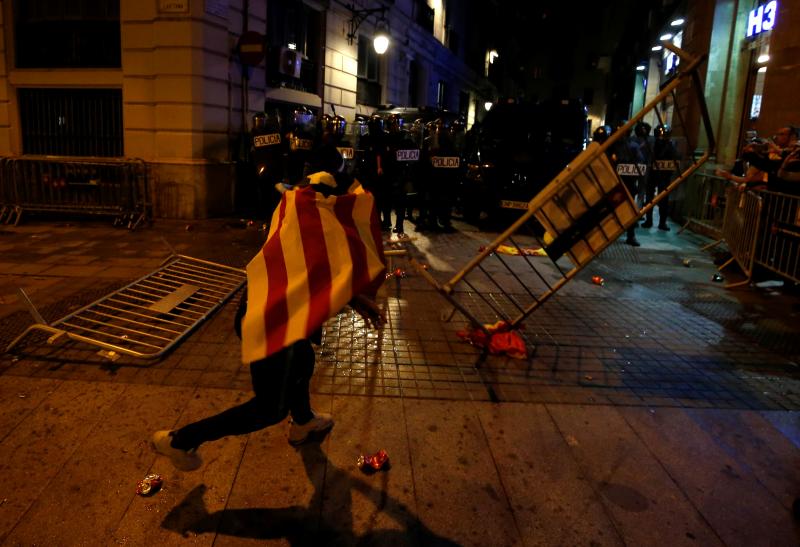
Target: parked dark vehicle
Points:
(516, 150)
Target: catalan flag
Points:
(320, 252)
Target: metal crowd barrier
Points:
(778, 240)
(739, 230)
(572, 220)
(150, 316)
(57, 184)
(705, 204)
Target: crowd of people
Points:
(768, 164)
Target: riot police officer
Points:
(627, 159)
(299, 144)
(400, 169)
(664, 168)
(371, 170)
(267, 156)
(642, 138)
(443, 163)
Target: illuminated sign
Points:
(762, 18)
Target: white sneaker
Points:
(316, 428)
(185, 460)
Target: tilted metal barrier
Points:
(705, 204)
(150, 316)
(54, 184)
(573, 219)
(740, 229)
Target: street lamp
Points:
(381, 40)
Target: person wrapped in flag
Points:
(323, 252)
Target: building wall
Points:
(780, 105)
(184, 108)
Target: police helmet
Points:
(662, 132)
(394, 123)
(302, 117)
(437, 127)
(457, 126)
(601, 134)
(259, 120)
(642, 129)
(375, 125)
(325, 124)
(339, 125)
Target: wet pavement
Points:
(659, 408)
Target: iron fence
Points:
(96, 186)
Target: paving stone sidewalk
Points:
(657, 409)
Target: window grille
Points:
(71, 122)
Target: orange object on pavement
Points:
(502, 340)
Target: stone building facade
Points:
(170, 71)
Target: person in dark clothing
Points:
(662, 171)
(443, 167)
(627, 159)
(779, 159)
(371, 172)
(401, 159)
(281, 380)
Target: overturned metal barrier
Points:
(572, 220)
(95, 186)
(150, 316)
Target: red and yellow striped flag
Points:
(320, 252)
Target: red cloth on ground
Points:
(502, 340)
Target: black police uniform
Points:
(370, 173)
(627, 159)
(267, 155)
(663, 169)
(402, 158)
(444, 164)
(299, 145)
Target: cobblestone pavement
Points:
(658, 408)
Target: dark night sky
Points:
(551, 48)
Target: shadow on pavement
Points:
(305, 525)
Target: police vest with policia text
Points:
(445, 162)
(631, 169)
(270, 139)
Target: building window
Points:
(368, 91)
(294, 33)
(60, 34)
(424, 15)
(441, 94)
(413, 82)
(71, 122)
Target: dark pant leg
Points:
(631, 184)
(300, 377)
(280, 383)
(663, 205)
